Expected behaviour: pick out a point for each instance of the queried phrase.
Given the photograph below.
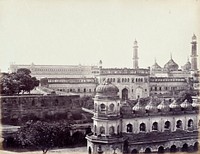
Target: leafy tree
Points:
(14, 83)
(42, 135)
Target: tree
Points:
(41, 135)
(20, 81)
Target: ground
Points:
(78, 150)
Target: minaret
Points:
(135, 55)
(194, 53)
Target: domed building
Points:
(146, 125)
(171, 65)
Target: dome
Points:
(171, 65)
(187, 66)
(186, 105)
(196, 104)
(163, 106)
(107, 89)
(194, 37)
(151, 106)
(138, 108)
(156, 66)
(174, 105)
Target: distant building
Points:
(58, 71)
(132, 83)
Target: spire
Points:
(170, 55)
(135, 55)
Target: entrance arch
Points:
(124, 94)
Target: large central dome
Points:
(171, 65)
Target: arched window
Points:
(118, 129)
(147, 150)
(190, 124)
(167, 125)
(95, 129)
(33, 102)
(179, 124)
(89, 150)
(142, 127)
(129, 128)
(95, 107)
(111, 107)
(155, 126)
(102, 130)
(102, 107)
(111, 130)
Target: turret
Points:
(135, 55)
(194, 53)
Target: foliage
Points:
(42, 135)
(20, 81)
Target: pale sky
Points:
(71, 32)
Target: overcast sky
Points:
(70, 32)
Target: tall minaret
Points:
(194, 53)
(135, 55)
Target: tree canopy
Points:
(17, 82)
(42, 135)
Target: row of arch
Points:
(167, 126)
(102, 130)
(118, 80)
(103, 107)
(173, 148)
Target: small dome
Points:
(171, 65)
(139, 108)
(156, 67)
(196, 104)
(186, 105)
(174, 105)
(194, 37)
(151, 106)
(163, 106)
(187, 66)
(135, 43)
(107, 89)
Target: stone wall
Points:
(17, 109)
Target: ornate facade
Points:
(146, 126)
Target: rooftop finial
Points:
(170, 55)
(155, 60)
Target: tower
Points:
(135, 55)
(106, 136)
(194, 53)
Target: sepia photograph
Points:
(99, 76)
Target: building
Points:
(78, 86)
(58, 71)
(132, 82)
(146, 126)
